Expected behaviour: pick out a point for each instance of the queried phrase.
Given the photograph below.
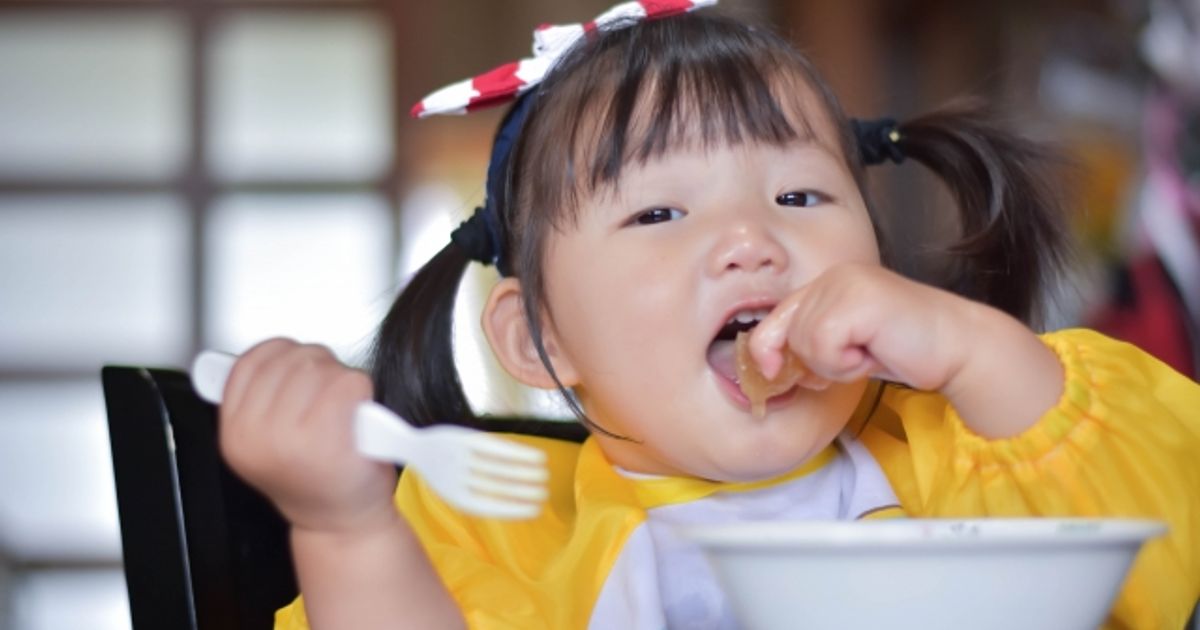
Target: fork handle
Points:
(378, 432)
(381, 434)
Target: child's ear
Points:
(507, 331)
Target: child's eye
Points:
(801, 198)
(655, 215)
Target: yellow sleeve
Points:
(490, 567)
(1123, 441)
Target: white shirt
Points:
(660, 580)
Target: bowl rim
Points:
(926, 533)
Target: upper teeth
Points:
(749, 316)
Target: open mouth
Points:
(721, 354)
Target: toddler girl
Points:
(669, 183)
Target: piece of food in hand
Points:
(757, 387)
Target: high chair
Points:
(202, 550)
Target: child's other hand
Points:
(286, 428)
(856, 321)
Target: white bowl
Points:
(1032, 574)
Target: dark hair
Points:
(635, 93)
(1012, 239)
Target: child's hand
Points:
(856, 321)
(285, 427)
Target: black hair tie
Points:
(481, 236)
(878, 140)
(476, 238)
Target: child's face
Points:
(641, 286)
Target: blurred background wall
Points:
(187, 174)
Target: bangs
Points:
(682, 83)
(687, 95)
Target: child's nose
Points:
(748, 246)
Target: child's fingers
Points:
(829, 347)
(327, 422)
(769, 339)
(856, 365)
(882, 373)
(290, 384)
(283, 382)
(813, 381)
(252, 384)
(247, 370)
(340, 390)
(859, 364)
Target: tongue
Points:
(722, 359)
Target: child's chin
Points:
(761, 468)
(776, 452)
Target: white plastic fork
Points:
(474, 471)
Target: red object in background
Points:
(1155, 302)
(1147, 311)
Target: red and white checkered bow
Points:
(550, 41)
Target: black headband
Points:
(481, 238)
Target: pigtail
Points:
(412, 361)
(1012, 235)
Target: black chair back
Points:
(203, 550)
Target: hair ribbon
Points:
(550, 41)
